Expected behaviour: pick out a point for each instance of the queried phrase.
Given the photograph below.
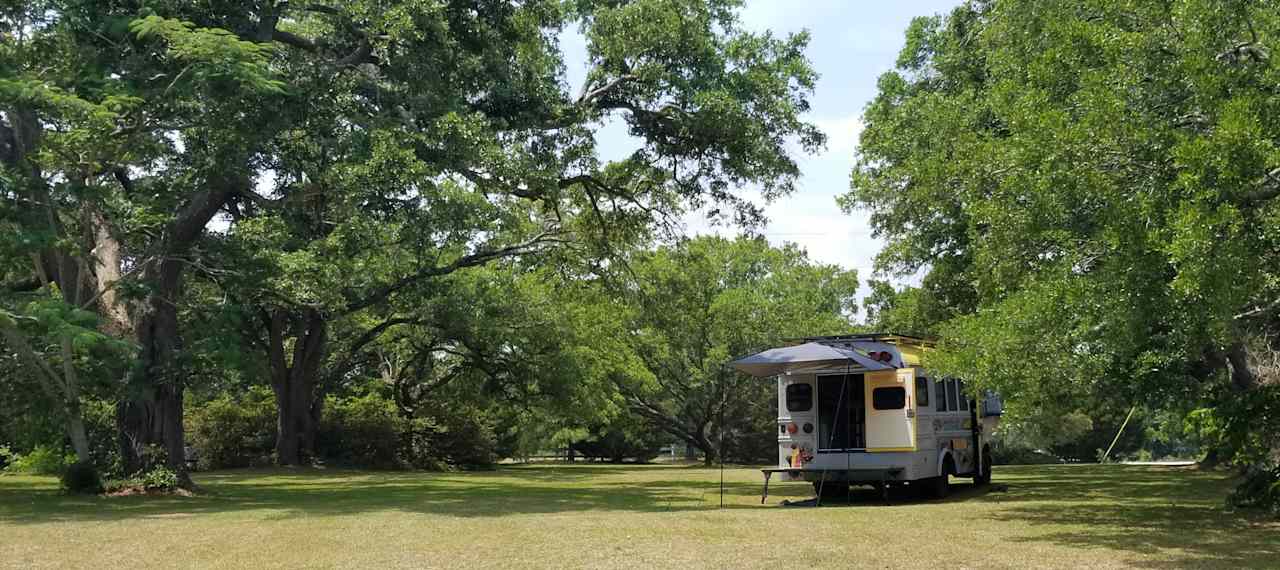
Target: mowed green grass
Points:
(598, 516)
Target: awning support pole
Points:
(767, 475)
(1118, 432)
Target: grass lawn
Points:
(634, 517)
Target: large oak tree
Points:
(1091, 188)
(348, 152)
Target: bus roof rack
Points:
(888, 337)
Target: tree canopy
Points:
(301, 178)
(1090, 187)
(696, 306)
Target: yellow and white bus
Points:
(852, 422)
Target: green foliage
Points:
(363, 431)
(81, 478)
(233, 431)
(905, 310)
(43, 460)
(696, 305)
(1091, 190)
(1232, 427)
(371, 431)
(27, 421)
(100, 427)
(158, 478)
(212, 53)
(1045, 432)
(1260, 489)
(452, 434)
(627, 437)
(355, 194)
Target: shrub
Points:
(234, 432)
(159, 478)
(615, 446)
(1260, 489)
(42, 460)
(104, 444)
(370, 431)
(81, 477)
(623, 438)
(452, 436)
(6, 457)
(150, 456)
(361, 431)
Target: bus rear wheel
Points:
(984, 474)
(939, 487)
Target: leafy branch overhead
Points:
(209, 54)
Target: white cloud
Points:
(842, 134)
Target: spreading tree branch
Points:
(1268, 188)
(471, 260)
(590, 95)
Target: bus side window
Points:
(799, 397)
(952, 397)
(964, 396)
(922, 392)
(891, 398)
(940, 391)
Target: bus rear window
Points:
(889, 398)
(799, 397)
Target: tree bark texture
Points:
(152, 411)
(294, 380)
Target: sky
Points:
(851, 44)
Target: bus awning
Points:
(777, 361)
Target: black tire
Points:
(984, 474)
(940, 487)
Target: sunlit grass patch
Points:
(555, 516)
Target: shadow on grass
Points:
(1174, 515)
(1171, 517)
(503, 492)
(899, 496)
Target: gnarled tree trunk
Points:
(152, 412)
(294, 381)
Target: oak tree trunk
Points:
(153, 412)
(294, 382)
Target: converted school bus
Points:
(880, 420)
